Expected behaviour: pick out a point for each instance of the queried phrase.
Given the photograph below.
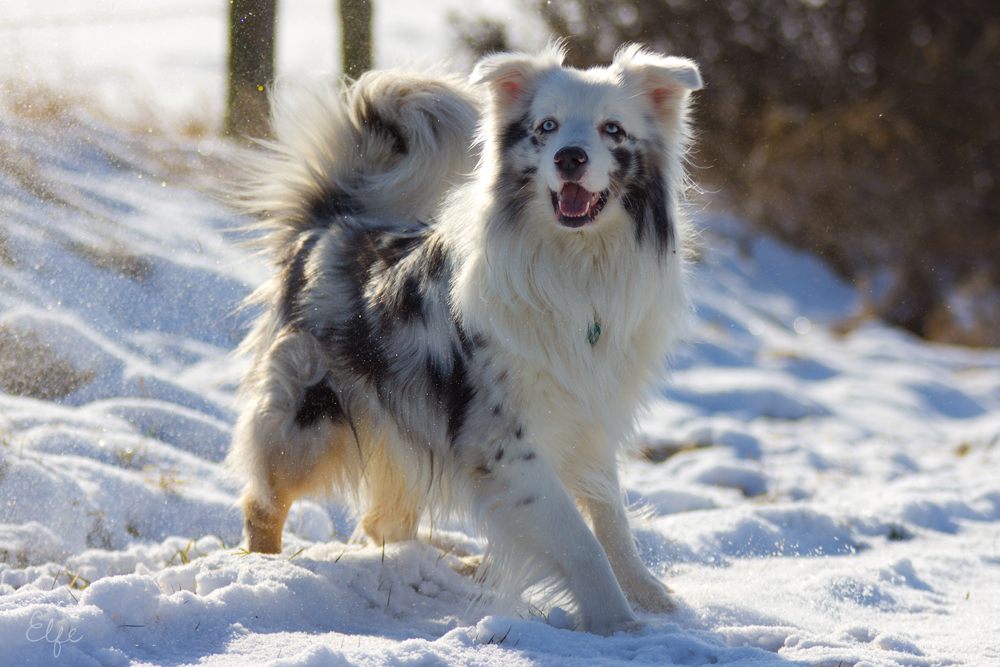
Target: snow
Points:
(813, 497)
(175, 52)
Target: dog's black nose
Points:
(570, 162)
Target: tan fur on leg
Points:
(394, 506)
(263, 526)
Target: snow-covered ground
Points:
(813, 498)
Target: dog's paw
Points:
(650, 595)
(449, 542)
(608, 627)
(466, 566)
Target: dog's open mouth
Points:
(577, 207)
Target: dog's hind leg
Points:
(263, 524)
(292, 437)
(393, 504)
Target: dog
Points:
(474, 287)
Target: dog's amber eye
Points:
(548, 125)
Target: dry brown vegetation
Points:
(29, 367)
(36, 121)
(115, 258)
(168, 148)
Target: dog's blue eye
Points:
(612, 128)
(548, 125)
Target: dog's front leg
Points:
(536, 532)
(610, 522)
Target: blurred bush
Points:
(865, 130)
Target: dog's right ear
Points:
(511, 77)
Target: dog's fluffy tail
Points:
(387, 147)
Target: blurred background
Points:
(866, 131)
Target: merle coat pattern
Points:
(465, 321)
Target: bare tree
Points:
(251, 66)
(356, 44)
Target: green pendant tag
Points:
(594, 333)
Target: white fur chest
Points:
(577, 393)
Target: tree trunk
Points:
(356, 44)
(251, 67)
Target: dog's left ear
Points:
(666, 80)
(512, 77)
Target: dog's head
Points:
(589, 141)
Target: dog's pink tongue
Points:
(574, 201)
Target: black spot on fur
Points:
(391, 247)
(519, 433)
(362, 351)
(432, 122)
(295, 277)
(357, 342)
(376, 124)
(528, 456)
(524, 502)
(515, 187)
(515, 192)
(411, 303)
(453, 391)
(457, 402)
(499, 456)
(333, 204)
(647, 202)
(624, 161)
(405, 302)
(435, 258)
(319, 402)
(514, 133)
(497, 410)
(466, 341)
